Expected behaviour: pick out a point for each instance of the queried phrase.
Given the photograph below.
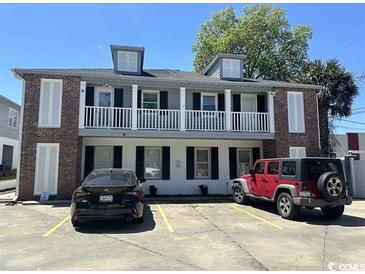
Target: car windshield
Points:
(109, 177)
(315, 168)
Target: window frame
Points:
(50, 104)
(196, 163)
(100, 89)
(215, 95)
(127, 63)
(296, 150)
(287, 175)
(254, 96)
(268, 170)
(293, 122)
(150, 91)
(144, 162)
(231, 68)
(11, 115)
(238, 158)
(263, 170)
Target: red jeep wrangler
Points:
(296, 182)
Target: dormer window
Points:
(127, 61)
(231, 68)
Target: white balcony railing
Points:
(165, 119)
(107, 117)
(205, 120)
(250, 121)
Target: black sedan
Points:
(108, 194)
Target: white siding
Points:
(46, 173)
(50, 103)
(296, 112)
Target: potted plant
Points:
(204, 189)
(153, 190)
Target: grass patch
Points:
(8, 177)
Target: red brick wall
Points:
(283, 139)
(67, 136)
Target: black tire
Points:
(286, 207)
(333, 212)
(75, 224)
(139, 220)
(239, 196)
(331, 186)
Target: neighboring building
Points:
(9, 133)
(177, 129)
(351, 141)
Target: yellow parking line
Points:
(166, 221)
(53, 229)
(254, 216)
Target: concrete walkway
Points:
(7, 184)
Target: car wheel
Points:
(239, 196)
(331, 185)
(139, 220)
(333, 212)
(286, 207)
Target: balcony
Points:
(168, 119)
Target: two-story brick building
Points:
(177, 129)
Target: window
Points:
(297, 152)
(244, 161)
(289, 168)
(103, 157)
(296, 112)
(315, 168)
(50, 103)
(46, 172)
(259, 168)
(151, 99)
(153, 162)
(249, 103)
(209, 101)
(13, 118)
(202, 169)
(231, 68)
(273, 168)
(127, 61)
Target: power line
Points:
(350, 128)
(350, 121)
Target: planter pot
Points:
(153, 190)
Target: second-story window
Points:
(13, 118)
(209, 101)
(50, 103)
(150, 99)
(127, 61)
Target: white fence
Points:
(107, 117)
(205, 120)
(250, 121)
(158, 119)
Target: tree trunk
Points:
(324, 129)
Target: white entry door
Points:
(103, 157)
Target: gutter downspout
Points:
(15, 199)
(318, 129)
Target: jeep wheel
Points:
(333, 212)
(331, 185)
(239, 196)
(286, 207)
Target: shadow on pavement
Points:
(120, 227)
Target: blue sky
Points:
(78, 36)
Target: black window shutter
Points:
(117, 161)
(190, 163)
(118, 97)
(163, 100)
(261, 103)
(89, 96)
(232, 163)
(165, 163)
(220, 102)
(89, 160)
(236, 102)
(196, 101)
(255, 154)
(139, 99)
(140, 162)
(214, 163)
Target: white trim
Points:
(82, 102)
(134, 106)
(196, 162)
(46, 168)
(293, 125)
(50, 104)
(127, 61)
(150, 91)
(209, 94)
(228, 108)
(144, 162)
(182, 108)
(14, 113)
(100, 89)
(248, 95)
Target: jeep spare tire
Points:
(331, 185)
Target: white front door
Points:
(103, 157)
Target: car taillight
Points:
(133, 193)
(81, 194)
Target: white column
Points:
(227, 107)
(182, 108)
(270, 95)
(134, 106)
(82, 104)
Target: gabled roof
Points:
(221, 55)
(9, 102)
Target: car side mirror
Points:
(141, 180)
(252, 172)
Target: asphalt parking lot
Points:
(190, 236)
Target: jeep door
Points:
(272, 177)
(257, 182)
